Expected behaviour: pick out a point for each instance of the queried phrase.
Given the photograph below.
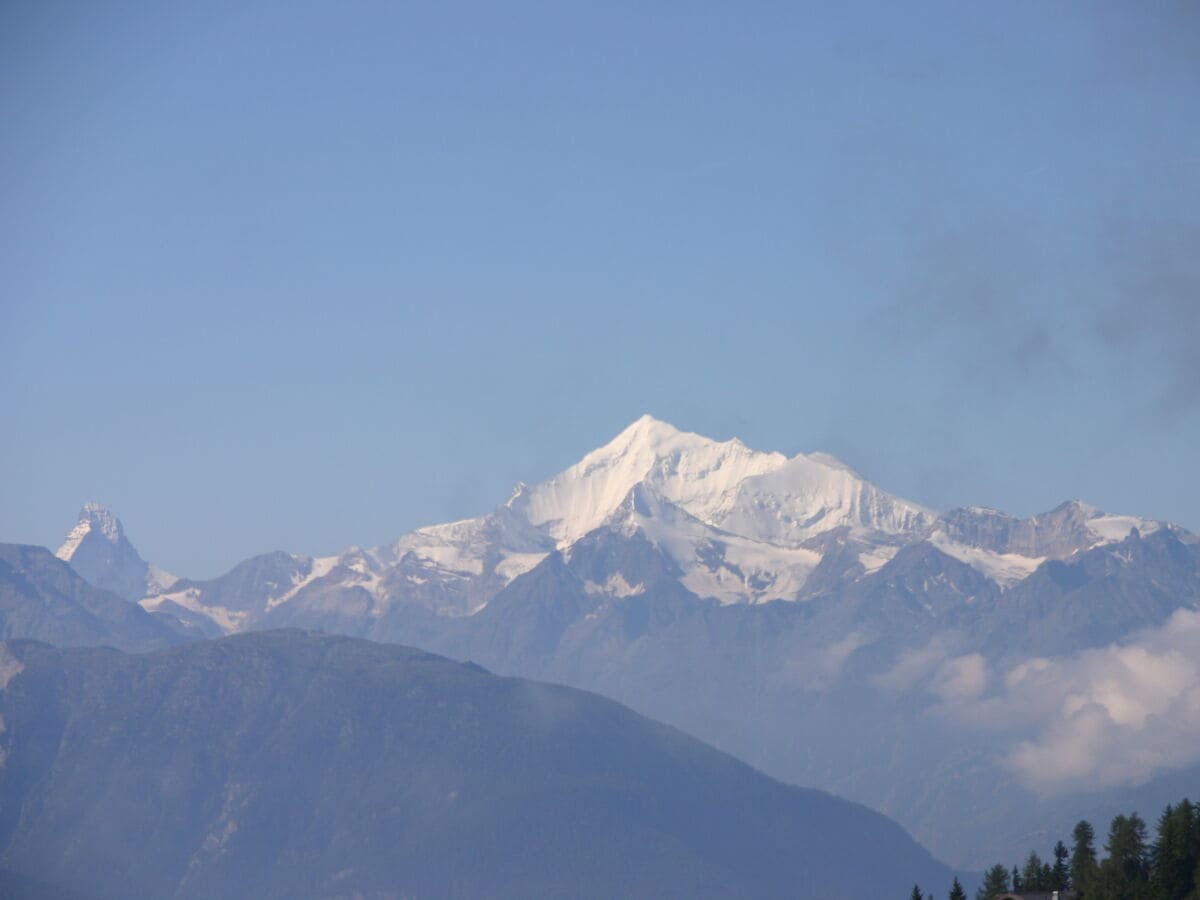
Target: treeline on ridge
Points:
(1168, 868)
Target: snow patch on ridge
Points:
(1003, 568)
(159, 580)
(727, 567)
(458, 547)
(1113, 529)
(515, 564)
(320, 567)
(615, 586)
(228, 620)
(877, 557)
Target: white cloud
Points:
(1115, 715)
(816, 671)
(916, 665)
(960, 678)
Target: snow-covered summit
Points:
(766, 496)
(98, 549)
(733, 519)
(93, 519)
(695, 472)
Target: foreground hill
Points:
(43, 598)
(291, 764)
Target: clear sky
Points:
(300, 276)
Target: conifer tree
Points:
(1083, 858)
(1174, 857)
(1127, 845)
(1124, 874)
(957, 892)
(995, 883)
(1031, 875)
(916, 893)
(1060, 874)
(1168, 869)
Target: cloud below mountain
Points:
(1106, 717)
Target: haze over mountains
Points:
(982, 678)
(291, 764)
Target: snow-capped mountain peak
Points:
(699, 474)
(98, 549)
(733, 519)
(96, 520)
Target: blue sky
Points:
(290, 275)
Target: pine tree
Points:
(1060, 874)
(995, 883)
(957, 892)
(1031, 875)
(1124, 875)
(1174, 857)
(916, 893)
(1017, 884)
(1127, 845)
(1083, 858)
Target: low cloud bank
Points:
(1111, 716)
(1117, 715)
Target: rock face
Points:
(289, 764)
(1064, 530)
(98, 550)
(42, 598)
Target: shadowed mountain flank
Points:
(291, 764)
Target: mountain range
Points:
(950, 669)
(291, 764)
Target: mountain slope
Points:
(42, 598)
(288, 764)
(893, 690)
